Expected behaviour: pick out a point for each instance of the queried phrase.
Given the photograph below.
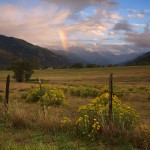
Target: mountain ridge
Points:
(13, 48)
(143, 59)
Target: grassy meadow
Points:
(25, 127)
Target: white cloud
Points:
(106, 15)
(138, 25)
(43, 25)
(146, 11)
(65, 23)
(136, 15)
(35, 25)
(116, 48)
(132, 10)
(112, 33)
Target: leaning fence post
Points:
(110, 100)
(7, 92)
(42, 103)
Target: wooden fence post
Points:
(110, 100)
(7, 92)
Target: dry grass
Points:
(23, 116)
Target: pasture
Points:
(25, 127)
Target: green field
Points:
(26, 129)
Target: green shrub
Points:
(93, 117)
(1, 99)
(85, 92)
(24, 95)
(121, 92)
(34, 94)
(46, 96)
(77, 65)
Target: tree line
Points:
(24, 68)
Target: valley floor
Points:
(23, 126)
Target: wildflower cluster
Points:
(66, 122)
(94, 116)
(46, 95)
(53, 97)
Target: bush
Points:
(53, 97)
(1, 99)
(85, 92)
(23, 70)
(34, 94)
(91, 66)
(77, 65)
(121, 92)
(46, 96)
(93, 117)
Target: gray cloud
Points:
(122, 25)
(140, 39)
(78, 5)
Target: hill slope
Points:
(141, 60)
(13, 48)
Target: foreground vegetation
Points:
(25, 126)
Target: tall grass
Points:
(24, 126)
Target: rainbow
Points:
(63, 38)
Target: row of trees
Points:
(23, 69)
(80, 65)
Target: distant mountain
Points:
(71, 56)
(141, 60)
(81, 55)
(119, 59)
(12, 48)
(78, 54)
(90, 57)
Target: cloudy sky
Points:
(120, 26)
